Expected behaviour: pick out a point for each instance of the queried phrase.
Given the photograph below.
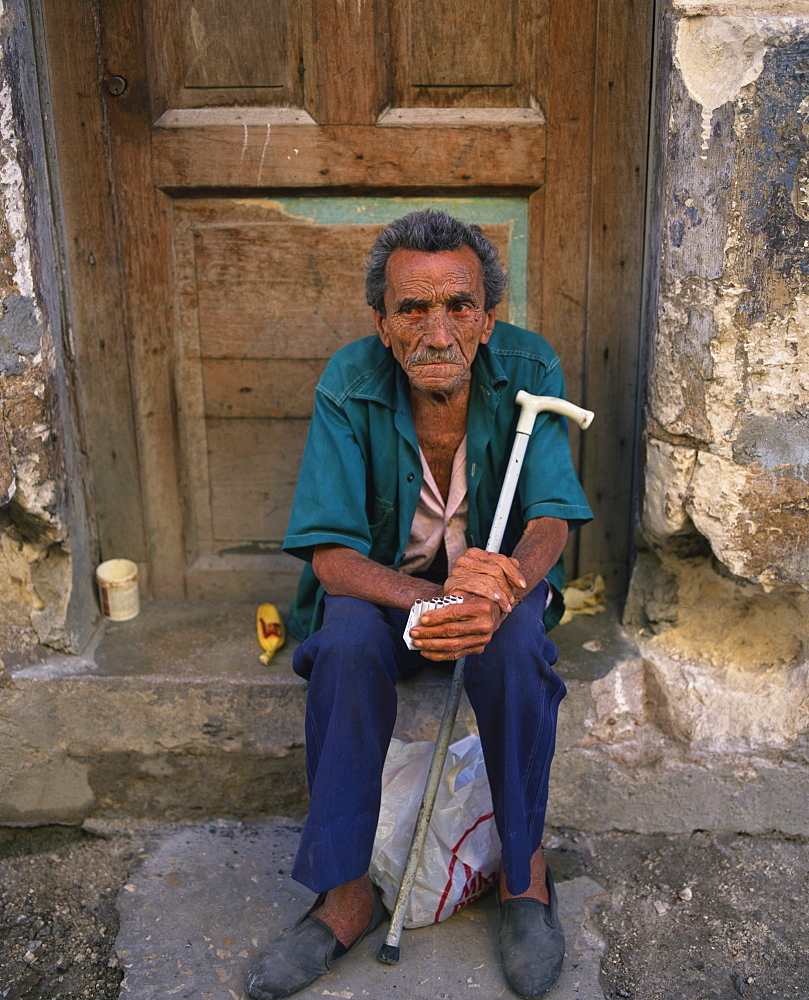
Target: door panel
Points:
(205, 53)
(254, 50)
(477, 54)
(255, 152)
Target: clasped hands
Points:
(490, 584)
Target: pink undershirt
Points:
(435, 520)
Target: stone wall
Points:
(45, 549)
(719, 599)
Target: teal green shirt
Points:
(361, 473)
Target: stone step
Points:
(172, 717)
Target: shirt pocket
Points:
(383, 530)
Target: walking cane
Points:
(530, 407)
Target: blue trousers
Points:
(352, 664)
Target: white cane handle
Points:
(532, 405)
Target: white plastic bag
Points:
(462, 849)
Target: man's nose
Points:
(438, 333)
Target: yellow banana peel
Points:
(270, 631)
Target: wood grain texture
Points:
(293, 290)
(616, 273)
(260, 388)
(561, 208)
(244, 575)
(142, 234)
(346, 60)
(569, 112)
(463, 116)
(478, 54)
(252, 156)
(205, 53)
(462, 45)
(254, 468)
(224, 48)
(103, 376)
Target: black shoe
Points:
(301, 954)
(532, 943)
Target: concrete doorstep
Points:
(171, 716)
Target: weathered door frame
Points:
(591, 287)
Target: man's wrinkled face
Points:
(435, 317)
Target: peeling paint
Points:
(730, 378)
(717, 56)
(13, 195)
(775, 443)
(668, 474)
(719, 599)
(757, 522)
(760, 374)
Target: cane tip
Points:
(389, 954)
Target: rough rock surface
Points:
(719, 600)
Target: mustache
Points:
(429, 355)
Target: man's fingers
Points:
(460, 617)
(456, 630)
(492, 563)
(483, 587)
(486, 574)
(442, 657)
(451, 629)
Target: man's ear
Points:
(380, 322)
(487, 330)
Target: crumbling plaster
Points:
(719, 600)
(44, 547)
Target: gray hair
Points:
(431, 231)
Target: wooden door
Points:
(224, 168)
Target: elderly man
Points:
(399, 482)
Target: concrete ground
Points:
(112, 910)
(210, 895)
(649, 918)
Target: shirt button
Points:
(411, 477)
